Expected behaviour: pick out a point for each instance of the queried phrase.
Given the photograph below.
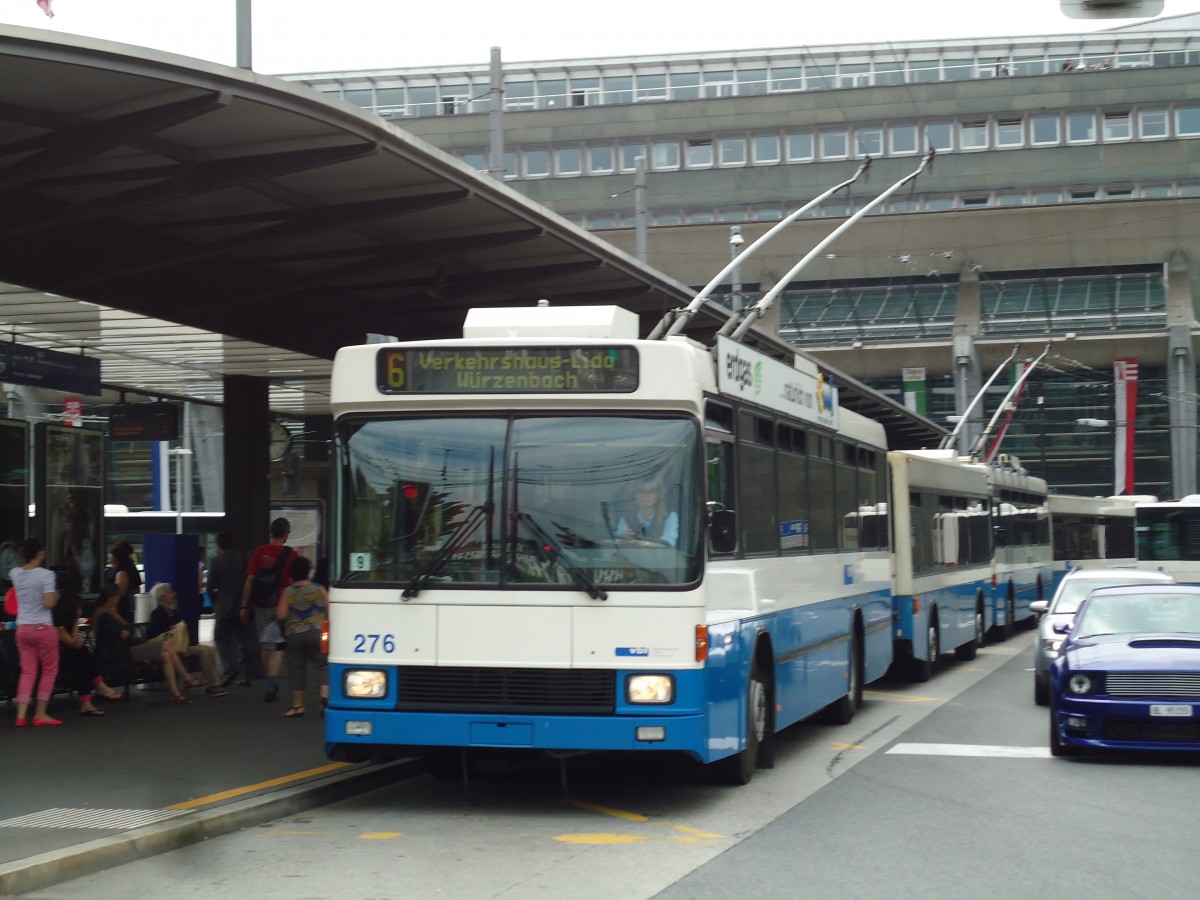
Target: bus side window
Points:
(722, 521)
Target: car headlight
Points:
(1080, 684)
(650, 689)
(364, 684)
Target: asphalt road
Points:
(934, 790)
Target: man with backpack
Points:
(267, 573)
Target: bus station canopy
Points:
(183, 221)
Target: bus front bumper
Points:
(353, 734)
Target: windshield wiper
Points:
(577, 574)
(458, 537)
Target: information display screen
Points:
(508, 370)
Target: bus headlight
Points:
(364, 684)
(650, 689)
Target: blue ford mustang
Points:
(1128, 673)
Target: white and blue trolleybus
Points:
(944, 557)
(1091, 532)
(1168, 536)
(552, 535)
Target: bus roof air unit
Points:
(602, 322)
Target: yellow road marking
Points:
(600, 838)
(609, 811)
(262, 785)
(696, 832)
(684, 834)
(380, 835)
(900, 698)
(839, 746)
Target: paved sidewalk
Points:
(151, 775)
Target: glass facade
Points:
(1050, 441)
(400, 92)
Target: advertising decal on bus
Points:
(801, 391)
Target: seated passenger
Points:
(76, 660)
(116, 642)
(653, 525)
(166, 614)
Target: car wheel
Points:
(1041, 692)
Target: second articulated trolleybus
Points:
(554, 535)
(971, 552)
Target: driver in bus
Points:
(653, 524)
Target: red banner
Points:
(73, 411)
(1125, 378)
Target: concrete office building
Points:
(1062, 206)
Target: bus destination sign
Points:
(508, 370)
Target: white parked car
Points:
(1076, 585)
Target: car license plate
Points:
(1171, 711)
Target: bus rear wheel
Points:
(968, 650)
(923, 669)
(739, 768)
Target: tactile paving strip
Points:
(113, 819)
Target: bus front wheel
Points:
(841, 711)
(739, 768)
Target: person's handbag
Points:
(176, 637)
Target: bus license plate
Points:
(1173, 711)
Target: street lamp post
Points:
(1041, 405)
(735, 248)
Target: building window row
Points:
(658, 81)
(771, 212)
(961, 135)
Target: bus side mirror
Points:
(722, 531)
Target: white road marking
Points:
(971, 750)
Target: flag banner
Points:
(915, 397)
(1125, 380)
(45, 5)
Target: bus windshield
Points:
(521, 499)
